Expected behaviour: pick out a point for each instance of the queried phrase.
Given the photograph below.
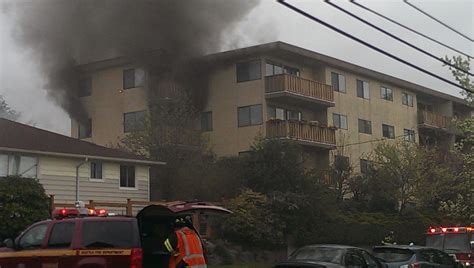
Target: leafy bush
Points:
(23, 201)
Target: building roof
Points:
(305, 56)
(17, 137)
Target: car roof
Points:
(410, 247)
(108, 218)
(335, 246)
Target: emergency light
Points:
(456, 229)
(75, 212)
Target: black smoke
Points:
(62, 34)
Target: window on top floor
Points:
(363, 89)
(388, 131)
(338, 82)
(276, 68)
(85, 86)
(248, 71)
(133, 77)
(407, 99)
(386, 93)
(85, 129)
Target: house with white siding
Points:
(69, 167)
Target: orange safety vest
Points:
(189, 250)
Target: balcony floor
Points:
(297, 99)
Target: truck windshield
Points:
(450, 243)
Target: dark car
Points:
(330, 256)
(75, 240)
(400, 256)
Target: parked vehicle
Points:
(402, 256)
(77, 238)
(330, 256)
(458, 241)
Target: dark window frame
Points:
(335, 82)
(244, 75)
(339, 125)
(407, 99)
(388, 131)
(249, 107)
(206, 121)
(85, 86)
(366, 166)
(84, 132)
(128, 82)
(127, 171)
(409, 135)
(285, 69)
(384, 93)
(361, 90)
(62, 235)
(137, 125)
(366, 126)
(96, 169)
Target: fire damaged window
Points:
(127, 176)
(206, 121)
(85, 86)
(247, 71)
(134, 121)
(250, 115)
(85, 129)
(133, 78)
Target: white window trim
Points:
(129, 188)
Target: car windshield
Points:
(450, 243)
(323, 254)
(393, 254)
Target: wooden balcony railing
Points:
(299, 86)
(433, 119)
(306, 132)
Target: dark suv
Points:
(99, 241)
(400, 256)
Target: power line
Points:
(438, 21)
(397, 38)
(370, 45)
(410, 29)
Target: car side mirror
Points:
(9, 243)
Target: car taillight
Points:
(415, 265)
(462, 256)
(136, 258)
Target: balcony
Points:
(298, 90)
(432, 120)
(303, 132)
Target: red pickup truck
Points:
(74, 240)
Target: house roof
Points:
(17, 137)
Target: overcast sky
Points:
(23, 87)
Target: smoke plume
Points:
(63, 34)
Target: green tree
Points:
(7, 112)
(22, 202)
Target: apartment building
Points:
(280, 91)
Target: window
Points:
(365, 166)
(133, 78)
(206, 121)
(354, 260)
(109, 234)
(276, 113)
(338, 82)
(134, 121)
(388, 131)
(365, 126)
(85, 129)
(386, 93)
(85, 86)
(33, 238)
(369, 260)
(293, 115)
(127, 176)
(275, 68)
(407, 99)
(16, 165)
(96, 170)
(409, 135)
(247, 71)
(363, 89)
(61, 235)
(339, 120)
(341, 162)
(250, 115)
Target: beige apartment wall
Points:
(107, 104)
(58, 177)
(376, 110)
